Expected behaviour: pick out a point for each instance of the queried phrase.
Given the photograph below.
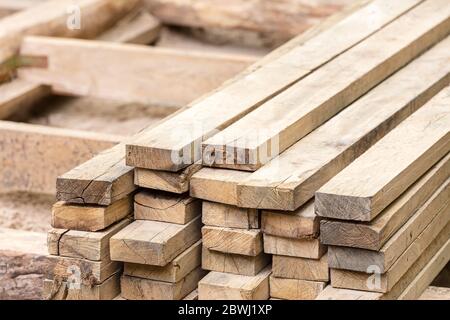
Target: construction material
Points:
(223, 215)
(174, 271)
(226, 286)
(300, 268)
(436, 293)
(230, 240)
(153, 242)
(290, 180)
(90, 218)
(294, 289)
(160, 206)
(156, 149)
(302, 248)
(234, 263)
(348, 196)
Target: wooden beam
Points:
(152, 242)
(301, 268)
(415, 144)
(155, 149)
(146, 78)
(227, 286)
(330, 293)
(302, 248)
(235, 241)
(234, 263)
(31, 157)
(89, 217)
(291, 180)
(53, 237)
(166, 207)
(266, 132)
(299, 224)
(51, 18)
(223, 215)
(435, 293)
(295, 289)
(143, 289)
(430, 218)
(374, 235)
(174, 271)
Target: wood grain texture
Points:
(301, 248)
(174, 271)
(153, 242)
(53, 237)
(330, 293)
(90, 217)
(299, 224)
(428, 221)
(435, 293)
(227, 286)
(227, 216)
(291, 180)
(375, 234)
(155, 149)
(233, 263)
(295, 289)
(301, 268)
(166, 207)
(61, 290)
(416, 144)
(276, 125)
(176, 182)
(143, 289)
(230, 240)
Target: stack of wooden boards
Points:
(273, 137)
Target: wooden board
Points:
(416, 144)
(176, 182)
(233, 263)
(330, 293)
(153, 242)
(31, 157)
(61, 290)
(266, 132)
(155, 149)
(143, 289)
(149, 72)
(429, 220)
(301, 248)
(174, 271)
(236, 241)
(227, 286)
(299, 224)
(295, 289)
(53, 237)
(89, 245)
(216, 185)
(291, 180)
(90, 217)
(192, 296)
(375, 234)
(51, 17)
(386, 282)
(300, 268)
(138, 27)
(82, 271)
(435, 293)
(166, 207)
(224, 215)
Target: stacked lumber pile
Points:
(258, 149)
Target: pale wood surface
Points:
(290, 180)
(300, 268)
(174, 271)
(302, 248)
(295, 289)
(227, 216)
(416, 144)
(435, 293)
(166, 207)
(143, 289)
(375, 234)
(90, 217)
(155, 149)
(299, 224)
(227, 286)
(230, 240)
(153, 242)
(53, 237)
(192, 296)
(234, 263)
(330, 293)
